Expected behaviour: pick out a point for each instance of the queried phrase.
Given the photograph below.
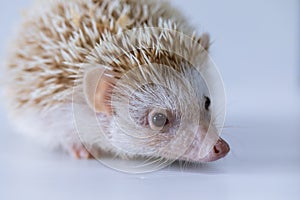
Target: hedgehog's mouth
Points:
(219, 150)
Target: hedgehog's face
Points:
(164, 114)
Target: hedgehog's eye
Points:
(207, 103)
(158, 119)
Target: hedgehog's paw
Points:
(78, 151)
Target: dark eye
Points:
(207, 103)
(158, 120)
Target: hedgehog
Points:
(122, 77)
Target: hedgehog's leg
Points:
(72, 145)
(79, 151)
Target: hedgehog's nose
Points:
(220, 149)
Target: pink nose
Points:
(220, 150)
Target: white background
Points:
(256, 47)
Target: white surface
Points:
(256, 48)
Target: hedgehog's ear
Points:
(204, 41)
(97, 90)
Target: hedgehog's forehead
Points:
(155, 95)
(160, 76)
(165, 88)
(167, 80)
